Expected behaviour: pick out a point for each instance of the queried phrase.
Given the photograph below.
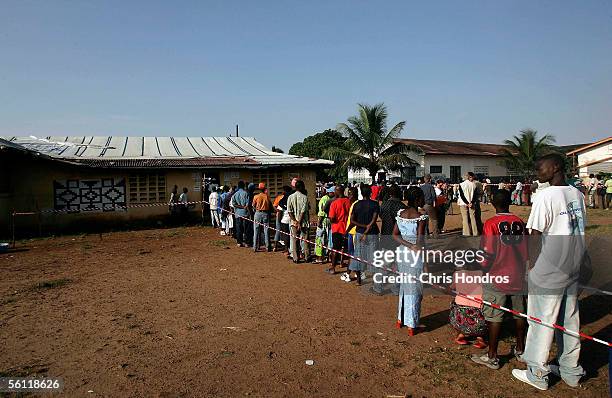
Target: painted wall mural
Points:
(91, 195)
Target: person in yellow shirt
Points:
(353, 194)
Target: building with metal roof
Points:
(146, 152)
(81, 181)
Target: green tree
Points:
(369, 145)
(315, 145)
(524, 149)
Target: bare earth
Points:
(183, 312)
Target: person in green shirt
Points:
(323, 226)
(608, 186)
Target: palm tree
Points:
(524, 149)
(369, 145)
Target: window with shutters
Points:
(147, 188)
(272, 179)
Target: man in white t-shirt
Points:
(557, 221)
(213, 200)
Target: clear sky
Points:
(459, 70)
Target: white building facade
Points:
(595, 158)
(447, 160)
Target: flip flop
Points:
(461, 341)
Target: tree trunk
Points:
(373, 175)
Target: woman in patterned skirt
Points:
(410, 231)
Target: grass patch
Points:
(599, 229)
(52, 284)
(218, 243)
(174, 233)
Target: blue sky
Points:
(459, 70)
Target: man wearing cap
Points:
(262, 205)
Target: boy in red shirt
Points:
(338, 215)
(505, 246)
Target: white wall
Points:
(594, 154)
(489, 165)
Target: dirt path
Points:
(183, 312)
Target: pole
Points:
(236, 130)
(13, 227)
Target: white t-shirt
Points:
(183, 197)
(213, 199)
(519, 186)
(559, 213)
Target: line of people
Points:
(348, 221)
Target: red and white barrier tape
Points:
(443, 288)
(439, 287)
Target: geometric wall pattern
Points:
(89, 195)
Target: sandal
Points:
(480, 344)
(461, 340)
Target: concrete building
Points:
(594, 158)
(446, 160)
(72, 181)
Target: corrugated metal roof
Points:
(189, 150)
(436, 147)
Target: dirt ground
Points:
(183, 312)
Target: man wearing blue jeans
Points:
(262, 206)
(557, 223)
(240, 202)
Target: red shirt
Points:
(504, 241)
(375, 190)
(338, 214)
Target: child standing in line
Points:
(505, 248)
(410, 231)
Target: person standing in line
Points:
(323, 233)
(467, 199)
(364, 217)
(601, 192)
(285, 220)
(410, 231)
(350, 233)
(213, 201)
(557, 223)
(299, 213)
(477, 208)
(608, 186)
(505, 255)
(592, 190)
(277, 219)
(183, 200)
(518, 191)
(240, 203)
(262, 206)
(388, 213)
(430, 205)
(338, 215)
(174, 199)
(441, 203)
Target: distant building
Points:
(592, 158)
(446, 160)
(78, 180)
